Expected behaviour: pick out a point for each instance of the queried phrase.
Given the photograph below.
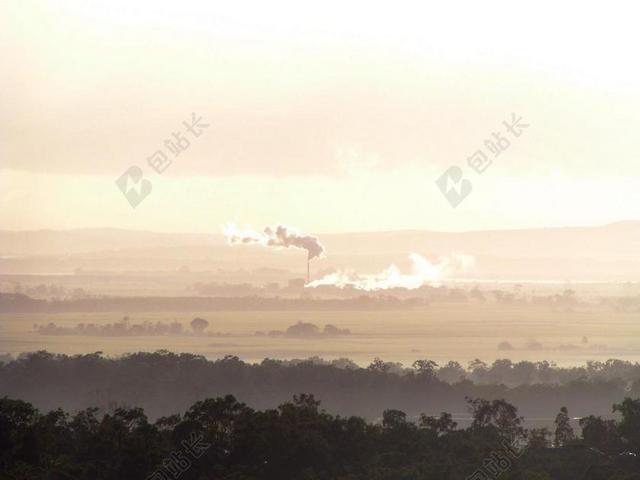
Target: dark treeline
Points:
(223, 439)
(165, 382)
(305, 299)
(245, 297)
(20, 303)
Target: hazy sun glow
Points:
(331, 110)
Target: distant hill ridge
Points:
(615, 241)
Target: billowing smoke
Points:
(422, 273)
(278, 237)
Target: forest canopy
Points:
(222, 438)
(163, 383)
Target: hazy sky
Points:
(328, 116)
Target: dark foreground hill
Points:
(224, 439)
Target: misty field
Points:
(443, 332)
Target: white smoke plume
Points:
(422, 273)
(279, 236)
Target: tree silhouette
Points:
(199, 325)
(564, 432)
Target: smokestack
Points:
(308, 276)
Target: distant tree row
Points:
(165, 382)
(499, 372)
(78, 300)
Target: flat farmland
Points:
(441, 332)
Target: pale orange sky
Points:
(331, 117)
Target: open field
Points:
(440, 332)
